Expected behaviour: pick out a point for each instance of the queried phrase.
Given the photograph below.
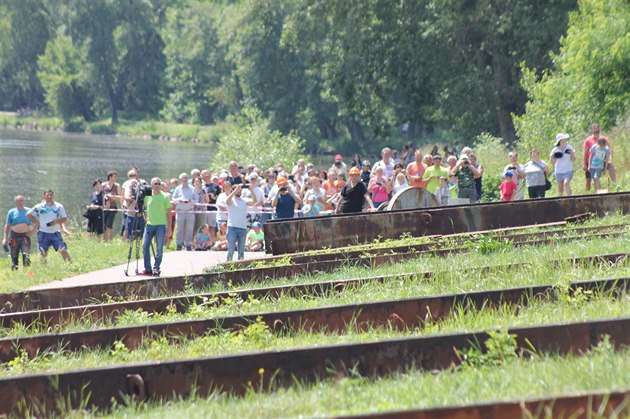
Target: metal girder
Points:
(298, 235)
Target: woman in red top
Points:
(379, 187)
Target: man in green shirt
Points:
(433, 174)
(158, 225)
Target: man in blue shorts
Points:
(48, 216)
(16, 233)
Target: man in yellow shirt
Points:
(433, 173)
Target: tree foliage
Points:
(590, 80)
(344, 74)
(252, 140)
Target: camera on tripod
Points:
(138, 193)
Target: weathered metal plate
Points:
(235, 373)
(305, 234)
(582, 406)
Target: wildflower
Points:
(261, 371)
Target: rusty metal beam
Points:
(582, 406)
(298, 235)
(70, 303)
(401, 314)
(166, 380)
(439, 242)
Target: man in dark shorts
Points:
(16, 233)
(354, 194)
(48, 216)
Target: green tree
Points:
(590, 80)
(63, 75)
(253, 141)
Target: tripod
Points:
(135, 241)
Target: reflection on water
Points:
(31, 162)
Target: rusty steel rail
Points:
(153, 287)
(579, 406)
(437, 243)
(401, 314)
(296, 235)
(236, 373)
(100, 311)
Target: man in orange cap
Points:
(285, 200)
(354, 194)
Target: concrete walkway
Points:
(173, 264)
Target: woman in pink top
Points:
(379, 187)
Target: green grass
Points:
(258, 336)
(542, 376)
(87, 255)
(135, 128)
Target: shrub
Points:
(251, 140)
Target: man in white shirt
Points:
(237, 220)
(184, 218)
(48, 216)
(386, 163)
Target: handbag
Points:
(547, 182)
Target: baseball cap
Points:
(366, 163)
(256, 225)
(508, 174)
(354, 171)
(253, 175)
(338, 157)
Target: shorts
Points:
(45, 240)
(108, 218)
(561, 177)
(596, 173)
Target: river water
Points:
(67, 163)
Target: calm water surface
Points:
(67, 163)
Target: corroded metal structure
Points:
(297, 235)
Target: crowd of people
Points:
(226, 210)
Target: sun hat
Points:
(561, 136)
(281, 180)
(354, 171)
(338, 157)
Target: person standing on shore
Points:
(48, 217)
(111, 193)
(16, 233)
(158, 225)
(587, 146)
(237, 220)
(562, 157)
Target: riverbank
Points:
(148, 130)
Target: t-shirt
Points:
(254, 237)
(286, 206)
(563, 164)
(508, 187)
(353, 198)
(599, 156)
(416, 169)
(520, 185)
(534, 173)
(237, 212)
(16, 216)
(46, 214)
(465, 178)
(156, 207)
(203, 238)
(588, 145)
(437, 171)
(388, 168)
(222, 212)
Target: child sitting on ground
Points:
(221, 243)
(255, 238)
(508, 187)
(442, 192)
(202, 239)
